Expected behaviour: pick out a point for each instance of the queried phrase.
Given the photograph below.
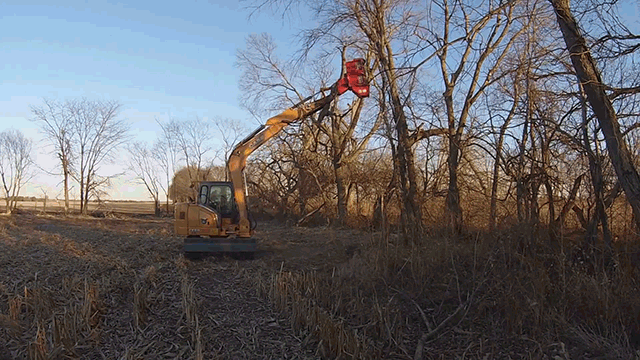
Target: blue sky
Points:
(158, 59)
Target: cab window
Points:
(204, 189)
(221, 199)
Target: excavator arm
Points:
(354, 80)
(238, 158)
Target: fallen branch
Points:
(441, 328)
(426, 321)
(438, 330)
(304, 218)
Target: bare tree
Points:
(270, 85)
(15, 161)
(193, 140)
(336, 134)
(379, 28)
(97, 133)
(498, 155)
(344, 147)
(480, 38)
(166, 153)
(376, 21)
(146, 170)
(45, 197)
(55, 122)
(230, 132)
(590, 79)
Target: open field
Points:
(119, 288)
(57, 206)
(103, 288)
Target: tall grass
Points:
(392, 299)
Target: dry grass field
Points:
(57, 206)
(119, 288)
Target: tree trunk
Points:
(569, 204)
(520, 182)
(580, 215)
(534, 208)
(453, 194)
(157, 206)
(82, 199)
(452, 202)
(378, 32)
(493, 207)
(85, 206)
(552, 209)
(66, 195)
(411, 214)
(595, 170)
(340, 175)
(82, 186)
(496, 170)
(407, 174)
(600, 215)
(301, 187)
(65, 170)
(591, 80)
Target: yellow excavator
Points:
(219, 221)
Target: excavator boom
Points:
(238, 158)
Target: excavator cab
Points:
(218, 196)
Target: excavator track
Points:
(244, 248)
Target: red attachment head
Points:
(357, 78)
(356, 67)
(343, 85)
(359, 85)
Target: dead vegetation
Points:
(120, 289)
(473, 297)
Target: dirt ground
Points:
(121, 289)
